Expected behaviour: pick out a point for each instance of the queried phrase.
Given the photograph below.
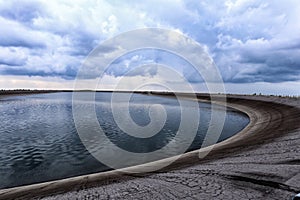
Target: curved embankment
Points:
(262, 161)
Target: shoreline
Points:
(263, 116)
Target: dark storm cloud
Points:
(278, 64)
(20, 41)
(23, 11)
(68, 74)
(12, 62)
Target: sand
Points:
(260, 162)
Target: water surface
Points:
(39, 141)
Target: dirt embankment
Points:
(261, 162)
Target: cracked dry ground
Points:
(268, 168)
(234, 178)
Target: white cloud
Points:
(250, 40)
(60, 34)
(12, 56)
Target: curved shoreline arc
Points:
(68, 184)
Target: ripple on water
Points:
(27, 158)
(39, 141)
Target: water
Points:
(39, 141)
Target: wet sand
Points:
(260, 162)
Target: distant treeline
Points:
(27, 91)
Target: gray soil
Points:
(261, 162)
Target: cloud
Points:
(23, 12)
(250, 40)
(254, 44)
(129, 64)
(11, 56)
(17, 35)
(57, 36)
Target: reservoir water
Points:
(39, 141)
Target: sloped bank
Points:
(262, 161)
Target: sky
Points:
(255, 44)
